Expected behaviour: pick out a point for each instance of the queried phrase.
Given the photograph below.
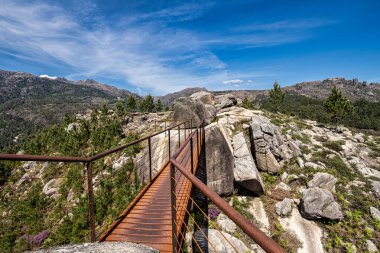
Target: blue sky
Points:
(163, 46)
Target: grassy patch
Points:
(334, 145)
(335, 165)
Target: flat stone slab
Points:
(104, 247)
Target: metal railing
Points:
(144, 167)
(192, 199)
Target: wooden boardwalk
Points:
(149, 220)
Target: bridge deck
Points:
(149, 221)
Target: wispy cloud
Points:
(233, 81)
(144, 50)
(289, 24)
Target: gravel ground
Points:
(104, 247)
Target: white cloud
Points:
(142, 49)
(49, 77)
(233, 81)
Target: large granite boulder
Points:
(205, 97)
(245, 171)
(225, 101)
(186, 109)
(219, 161)
(267, 143)
(317, 203)
(323, 180)
(269, 146)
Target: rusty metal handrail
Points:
(264, 241)
(88, 164)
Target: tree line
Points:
(132, 104)
(336, 109)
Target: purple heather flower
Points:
(213, 213)
(38, 239)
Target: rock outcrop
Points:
(323, 180)
(245, 171)
(186, 109)
(104, 247)
(269, 145)
(225, 101)
(375, 213)
(317, 203)
(284, 207)
(219, 161)
(205, 97)
(306, 231)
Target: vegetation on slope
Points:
(31, 218)
(366, 114)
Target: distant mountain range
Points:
(29, 102)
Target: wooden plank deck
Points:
(149, 221)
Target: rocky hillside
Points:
(308, 187)
(352, 89)
(29, 102)
(171, 97)
(305, 185)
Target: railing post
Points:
(184, 126)
(150, 158)
(169, 144)
(173, 205)
(197, 142)
(91, 208)
(179, 135)
(191, 125)
(192, 155)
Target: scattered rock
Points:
(300, 162)
(359, 138)
(371, 247)
(376, 187)
(375, 213)
(323, 180)
(314, 166)
(119, 163)
(317, 203)
(283, 186)
(29, 166)
(226, 223)
(245, 171)
(284, 176)
(284, 207)
(219, 160)
(73, 127)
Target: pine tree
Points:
(147, 104)
(131, 103)
(276, 96)
(338, 106)
(120, 110)
(247, 104)
(158, 105)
